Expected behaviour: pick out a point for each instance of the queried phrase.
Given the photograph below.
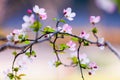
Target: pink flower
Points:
(94, 20)
(69, 14)
(93, 67)
(40, 11)
(72, 45)
(84, 35)
(67, 28)
(43, 17)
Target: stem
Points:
(54, 42)
(79, 62)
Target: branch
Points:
(114, 50)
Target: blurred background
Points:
(12, 11)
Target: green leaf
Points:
(33, 53)
(54, 19)
(57, 63)
(10, 75)
(27, 42)
(62, 20)
(86, 43)
(14, 53)
(74, 39)
(36, 26)
(48, 30)
(74, 60)
(94, 30)
(84, 66)
(63, 46)
(28, 54)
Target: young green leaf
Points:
(62, 20)
(63, 46)
(86, 43)
(74, 60)
(54, 19)
(74, 39)
(94, 30)
(14, 53)
(57, 63)
(36, 26)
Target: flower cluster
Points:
(16, 36)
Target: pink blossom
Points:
(93, 67)
(43, 17)
(94, 19)
(72, 45)
(67, 28)
(84, 35)
(69, 14)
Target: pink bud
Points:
(29, 11)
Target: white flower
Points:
(10, 37)
(69, 14)
(16, 36)
(40, 11)
(36, 9)
(84, 59)
(101, 43)
(24, 61)
(28, 21)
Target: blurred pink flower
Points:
(72, 45)
(94, 19)
(84, 35)
(67, 28)
(69, 14)
(93, 67)
(106, 5)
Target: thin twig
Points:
(79, 62)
